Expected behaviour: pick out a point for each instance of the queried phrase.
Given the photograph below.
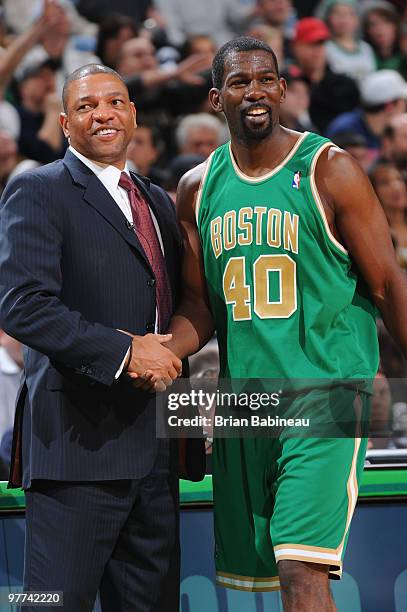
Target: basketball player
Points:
(280, 229)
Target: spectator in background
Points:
(381, 414)
(381, 25)
(95, 10)
(278, 15)
(179, 165)
(144, 150)
(200, 134)
(41, 138)
(10, 163)
(331, 94)
(403, 48)
(18, 47)
(114, 31)
(356, 145)
(8, 157)
(11, 364)
(294, 113)
(394, 144)
(383, 95)
(347, 54)
(58, 48)
(153, 87)
(19, 15)
(394, 366)
(273, 37)
(392, 193)
(216, 18)
(202, 44)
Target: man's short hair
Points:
(237, 45)
(83, 72)
(198, 120)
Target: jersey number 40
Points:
(238, 292)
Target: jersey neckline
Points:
(264, 177)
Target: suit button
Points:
(86, 370)
(150, 328)
(151, 282)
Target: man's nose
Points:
(103, 112)
(254, 91)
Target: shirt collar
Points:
(7, 364)
(109, 175)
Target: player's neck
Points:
(258, 158)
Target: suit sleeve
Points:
(31, 244)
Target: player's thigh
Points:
(316, 493)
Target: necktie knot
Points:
(125, 182)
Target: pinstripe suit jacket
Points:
(71, 273)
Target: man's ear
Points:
(134, 113)
(63, 121)
(283, 89)
(214, 98)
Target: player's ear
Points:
(214, 98)
(283, 89)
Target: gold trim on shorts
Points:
(317, 554)
(247, 583)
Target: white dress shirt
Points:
(109, 176)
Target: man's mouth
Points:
(257, 111)
(257, 116)
(105, 132)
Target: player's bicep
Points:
(360, 220)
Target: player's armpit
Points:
(192, 324)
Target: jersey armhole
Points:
(318, 201)
(201, 186)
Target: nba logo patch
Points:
(296, 180)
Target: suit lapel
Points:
(97, 196)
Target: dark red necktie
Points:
(147, 235)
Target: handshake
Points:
(152, 365)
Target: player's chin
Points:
(257, 130)
(259, 133)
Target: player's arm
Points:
(192, 324)
(357, 219)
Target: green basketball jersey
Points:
(284, 295)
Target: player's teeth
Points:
(103, 132)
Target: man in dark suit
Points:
(86, 251)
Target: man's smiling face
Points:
(99, 118)
(251, 94)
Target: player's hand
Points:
(151, 383)
(152, 363)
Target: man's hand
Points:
(151, 362)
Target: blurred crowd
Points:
(345, 63)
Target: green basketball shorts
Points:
(283, 498)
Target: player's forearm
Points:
(392, 305)
(192, 327)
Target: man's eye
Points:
(267, 79)
(117, 102)
(85, 107)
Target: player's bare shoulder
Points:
(187, 191)
(338, 176)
